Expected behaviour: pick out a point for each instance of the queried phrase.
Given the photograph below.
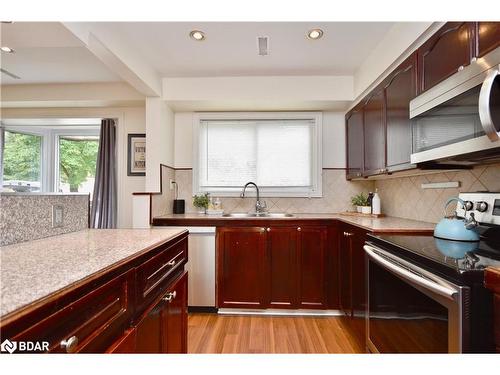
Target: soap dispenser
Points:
(376, 210)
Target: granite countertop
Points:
(377, 225)
(36, 269)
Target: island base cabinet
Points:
(163, 327)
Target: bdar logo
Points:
(8, 346)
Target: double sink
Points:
(255, 214)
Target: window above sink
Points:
(280, 151)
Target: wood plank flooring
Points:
(212, 333)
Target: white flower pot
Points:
(366, 210)
(359, 208)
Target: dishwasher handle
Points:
(442, 290)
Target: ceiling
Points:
(46, 52)
(230, 48)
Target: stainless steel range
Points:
(426, 295)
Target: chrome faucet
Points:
(260, 206)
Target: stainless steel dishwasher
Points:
(201, 267)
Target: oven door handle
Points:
(423, 282)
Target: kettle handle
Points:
(453, 199)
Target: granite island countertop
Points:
(30, 271)
(376, 225)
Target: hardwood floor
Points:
(212, 333)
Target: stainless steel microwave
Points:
(458, 120)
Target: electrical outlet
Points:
(172, 184)
(57, 216)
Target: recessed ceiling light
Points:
(7, 49)
(197, 35)
(315, 34)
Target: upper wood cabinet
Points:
(374, 134)
(400, 88)
(354, 140)
(447, 51)
(487, 36)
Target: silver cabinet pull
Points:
(70, 344)
(171, 263)
(299, 229)
(268, 229)
(170, 296)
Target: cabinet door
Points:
(282, 266)
(241, 265)
(354, 138)
(148, 331)
(488, 37)
(311, 267)
(357, 240)
(125, 344)
(400, 89)
(450, 48)
(174, 317)
(374, 155)
(345, 271)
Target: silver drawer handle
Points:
(299, 229)
(70, 344)
(170, 296)
(171, 263)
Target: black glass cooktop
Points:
(455, 259)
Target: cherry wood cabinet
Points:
(374, 134)
(444, 53)
(492, 282)
(241, 267)
(163, 327)
(400, 88)
(282, 266)
(124, 308)
(354, 141)
(487, 37)
(312, 260)
(275, 266)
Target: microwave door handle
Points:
(485, 116)
(418, 280)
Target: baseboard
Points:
(280, 312)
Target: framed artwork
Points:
(136, 165)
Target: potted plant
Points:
(201, 202)
(361, 202)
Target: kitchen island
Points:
(91, 290)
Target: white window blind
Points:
(280, 155)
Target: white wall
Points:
(333, 140)
(130, 120)
(159, 140)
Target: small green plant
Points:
(360, 200)
(201, 201)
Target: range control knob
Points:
(468, 205)
(481, 206)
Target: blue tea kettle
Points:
(457, 228)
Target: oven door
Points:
(410, 310)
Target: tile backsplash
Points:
(25, 217)
(337, 194)
(404, 197)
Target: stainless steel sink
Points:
(267, 214)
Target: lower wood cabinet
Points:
(163, 327)
(272, 267)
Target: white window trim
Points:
(49, 157)
(317, 167)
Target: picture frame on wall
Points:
(136, 151)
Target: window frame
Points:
(49, 160)
(283, 191)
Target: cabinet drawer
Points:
(89, 324)
(154, 275)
